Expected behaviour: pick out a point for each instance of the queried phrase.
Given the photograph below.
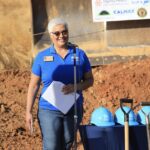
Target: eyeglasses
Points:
(57, 33)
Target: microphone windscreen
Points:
(72, 45)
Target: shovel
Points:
(147, 119)
(126, 120)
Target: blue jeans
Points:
(57, 129)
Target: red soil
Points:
(111, 82)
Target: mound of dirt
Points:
(111, 82)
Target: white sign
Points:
(115, 10)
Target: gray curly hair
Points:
(56, 21)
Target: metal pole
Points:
(75, 103)
(147, 130)
(147, 121)
(104, 46)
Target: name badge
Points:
(48, 58)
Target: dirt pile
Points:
(112, 82)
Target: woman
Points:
(56, 64)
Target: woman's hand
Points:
(86, 83)
(29, 122)
(68, 89)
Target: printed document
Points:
(57, 98)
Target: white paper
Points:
(57, 98)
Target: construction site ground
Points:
(111, 83)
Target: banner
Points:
(117, 10)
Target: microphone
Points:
(72, 45)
